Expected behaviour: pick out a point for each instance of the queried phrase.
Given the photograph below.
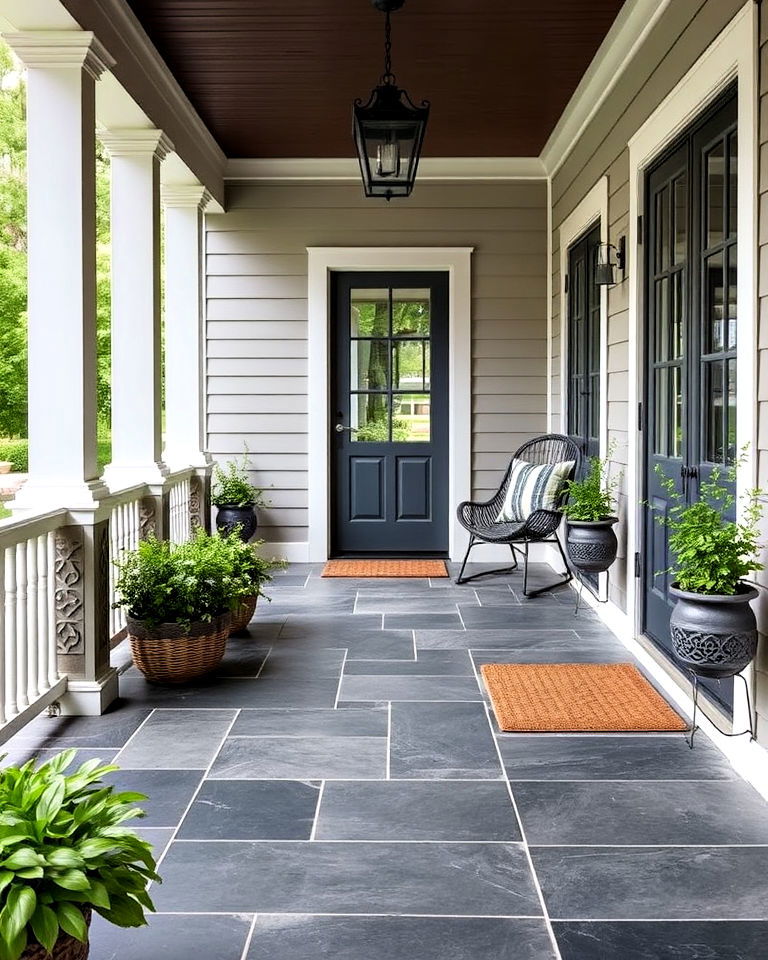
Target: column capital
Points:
(185, 195)
(61, 48)
(135, 141)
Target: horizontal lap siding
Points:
(257, 317)
(672, 47)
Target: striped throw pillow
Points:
(533, 487)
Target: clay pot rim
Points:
(605, 522)
(746, 593)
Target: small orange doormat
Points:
(385, 568)
(576, 697)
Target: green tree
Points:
(13, 258)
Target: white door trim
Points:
(592, 209)
(456, 261)
(733, 55)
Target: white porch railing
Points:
(124, 535)
(179, 502)
(29, 675)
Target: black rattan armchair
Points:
(479, 519)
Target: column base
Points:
(43, 493)
(89, 698)
(119, 477)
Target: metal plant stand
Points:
(751, 730)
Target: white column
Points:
(62, 68)
(136, 334)
(185, 437)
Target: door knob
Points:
(340, 428)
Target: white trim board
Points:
(592, 209)
(733, 55)
(322, 261)
(347, 169)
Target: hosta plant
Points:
(65, 851)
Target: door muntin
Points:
(389, 411)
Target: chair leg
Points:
(514, 556)
(566, 578)
(473, 541)
(461, 578)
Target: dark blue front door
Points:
(389, 414)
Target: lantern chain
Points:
(389, 77)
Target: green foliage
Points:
(711, 553)
(182, 583)
(231, 486)
(63, 848)
(248, 569)
(594, 497)
(376, 431)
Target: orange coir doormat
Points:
(385, 568)
(576, 697)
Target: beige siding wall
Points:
(672, 47)
(257, 317)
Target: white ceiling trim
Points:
(347, 169)
(627, 35)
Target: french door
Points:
(389, 414)
(583, 360)
(690, 404)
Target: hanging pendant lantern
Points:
(389, 128)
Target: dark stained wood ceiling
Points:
(276, 78)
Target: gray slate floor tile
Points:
(159, 837)
(596, 757)
(189, 738)
(172, 938)
(646, 812)
(466, 879)
(355, 721)
(442, 741)
(654, 883)
(408, 604)
(704, 940)
(112, 729)
(297, 758)
(19, 753)
(421, 621)
(251, 810)
(327, 630)
(541, 616)
(500, 637)
(262, 692)
(168, 792)
(402, 810)
(409, 688)
(431, 663)
(398, 938)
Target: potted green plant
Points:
(252, 573)
(178, 600)
(236, 499)
(713, 627)
(65, 853)
(590, 516)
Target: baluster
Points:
(21, 625)
(32, 625)
(43, 573)
(3, 639)
(53, 663)
(10, 632)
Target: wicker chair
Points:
(479, 519)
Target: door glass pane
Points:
(662, 230)
(731, 411)
(410, 365)
(594, 405)
(662, 333)
(369, 313)
(410, 313)
(713, 411)
(369, 364)
(370, 414)
(713, 303)
(662, 418)
(733, 194)
(731, 303)
(678, 314)
(676, 440)
(715, 194)
(410, 418)
(680, 214)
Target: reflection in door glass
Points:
(370, 413)
(731, 314)
(369, 313)
(410, 365)
(369, 364)
(662, 230)
(713, 410)
(678, 314)
(713, 303)
(731, 412)
(680, 214)
(677, 413)
(410, 313)
(733, 193)
(410, 418)
(715, 193)
(662, 419)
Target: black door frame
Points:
(439, 279)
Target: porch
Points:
(340, 788)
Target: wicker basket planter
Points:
(65, 948)
(243, 614)
(170, 653)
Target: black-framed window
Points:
(583, 344)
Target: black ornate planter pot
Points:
(230, 516)
(591, 544)
(714, 636)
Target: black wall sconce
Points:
(605, 271)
